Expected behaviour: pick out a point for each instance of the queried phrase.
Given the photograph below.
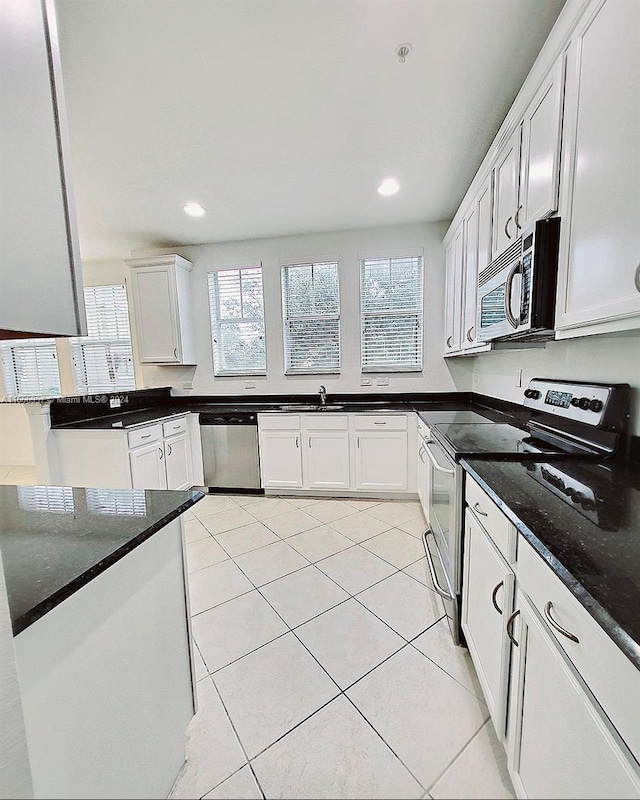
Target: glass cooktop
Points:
(462, 416)
(467, 439)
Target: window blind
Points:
(103, 360)
(311, 325)
(130, 502)
(30, 368)
(236, 305)
(391, 314)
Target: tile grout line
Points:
(458, 754)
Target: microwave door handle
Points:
(437, 466)
(517, 267)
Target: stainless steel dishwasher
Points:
(230, 450)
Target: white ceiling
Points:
(282, 116)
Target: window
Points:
(103, 360)
(30, 368)
(132, 502)
(311, 309)
(237, 321)
(49, 499)
(391, 314)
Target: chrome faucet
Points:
(323, 396)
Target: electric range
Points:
(577, 421)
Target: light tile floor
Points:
(324, 665)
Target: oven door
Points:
(504, 302)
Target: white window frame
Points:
(287, 320)
(78, 344)
(391, 313)
(218, 322)
(12, 381)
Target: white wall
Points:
(602, 359)
(15, 434)
(437, 375)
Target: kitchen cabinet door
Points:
(41, 266)
(280, 459)
(381, 460)
(177, 455)
(487, 600)
(453, 293)
(540, 160)
(147, 467)
(600, 235)
(506, 174)
(327, 460)
(560, 743)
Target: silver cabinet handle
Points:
(379, 423)
(517, 267)
(420, 454)
(478, 510)
(161, 453)
(297, 442)
(638, 277)
(169, 446)
(432, 570)
(176, 427)
(554, 624)
(309, 443)
(175, 352)
(437, 466)
(515, 219)
(510, 626)
(493, 597)
(469, 336)
(146, 436)
(450, 341)
(358, 441)
(506, 228)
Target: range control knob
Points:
(595, 405)
(584, 403)
(575, 401)
(533, 394)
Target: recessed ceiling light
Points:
(194, 209)
(388, 187)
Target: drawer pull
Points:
(176, 427)
(146, 436)
(510, 622)
(379, 423)
(554, 624)
(493, 597)
(478, 510)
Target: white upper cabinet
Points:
(506, 175)
(600, 235)
(161, 289)
(540, 158)
(41, 271)
(453, 307)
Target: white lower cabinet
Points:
(147, 467)
(177, 461)
(381, 460)
(560, 743)
(280, 459)
(330, 451)
(570, 732)
(487, 602)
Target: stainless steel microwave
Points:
(517, 291)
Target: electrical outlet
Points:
(519, 377)
(365, 381)
(114, 402)
(382, 381)
(187, 384)
(249, 384)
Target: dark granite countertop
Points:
(55, 539)
(594, 546)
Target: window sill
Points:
(312, 372)
(382, 370)
(239, 374)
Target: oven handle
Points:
(432, 569)
(517, 268)
(437, 466)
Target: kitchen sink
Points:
(311, 407)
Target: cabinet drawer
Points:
(500, 530)
(174, 426)
(146, 435)
(279, 422)
(326, 422)
(606, 670)
(382, 422)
